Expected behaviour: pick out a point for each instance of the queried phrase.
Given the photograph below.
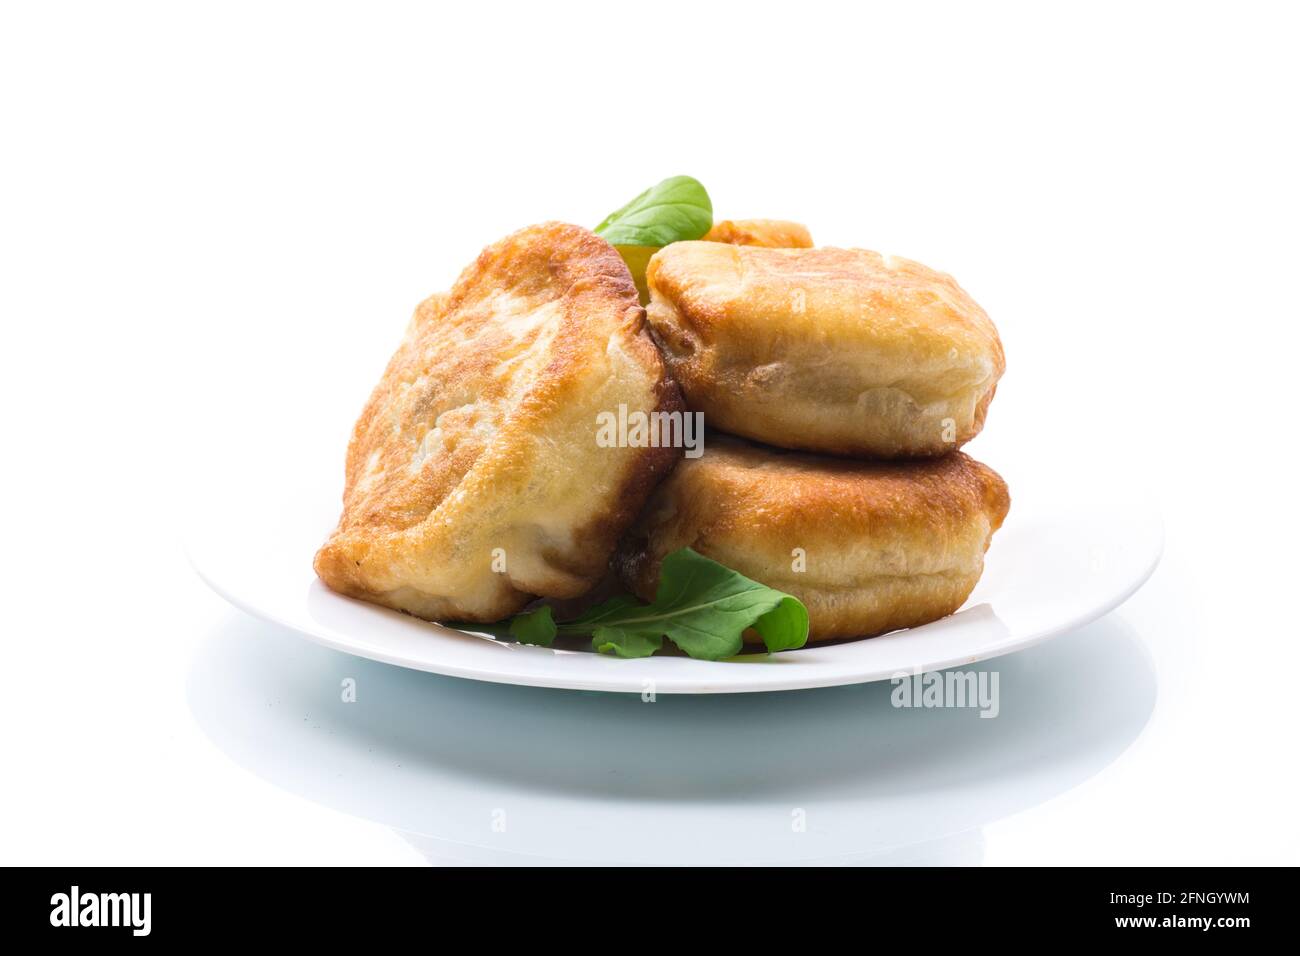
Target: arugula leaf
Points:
(534, 627)
(531, 627)
(626, 642)
(785, 627)
(672, 211)
(701, 606)
(621, 643)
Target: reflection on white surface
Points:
(475, 772)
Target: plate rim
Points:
(637, 672)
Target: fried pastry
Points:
(868, 546)
(474, 477)
(830, 350)
(773, 233)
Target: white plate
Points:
(1068, 553)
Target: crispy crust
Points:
(773, 233)
(831, 350)
(741, 232)
(480, 441)
(886, 544)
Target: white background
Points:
(215, 220)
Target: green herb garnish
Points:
(701, 606)
(675, 210)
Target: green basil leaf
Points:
(675, 210)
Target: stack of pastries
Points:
(838, 386)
